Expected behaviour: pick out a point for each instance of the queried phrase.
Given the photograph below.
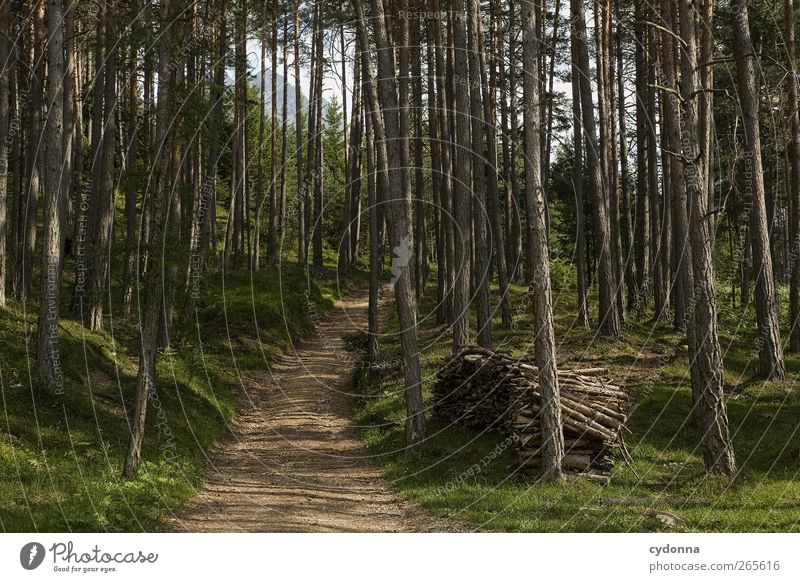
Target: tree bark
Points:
(385, 122)
(103, 215)
(302, 197)
(577, 185)
(272, 222)
(260, 163)
(608, 316)
(794, 178)
(48, 360)
(625, 227)
(153, 286)
(493, 192)
(32, 177)
(641, 238)
(483, 243)
(713, 418)
(5, 140)
(462, 179)
(539, 255)
(770, 349)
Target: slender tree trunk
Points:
(659, 287)
(355, 159)
(33, 129)
(625, 227)
(131, 183)
(284, 134)
(462, 179)
(493, 192)
(717, 447)
(544, 343)
(444, 149)
(153, 286)
(608, 316)
(262, 96)
(671, 130)
(343, 262)
(48, 360)
(5, 139)
(375, 216)
(770, 349)
(272, 223)
(302, 198)
(103, 218)
(319, 173)
(208, 205)
(386, 126)
(483, 242)
(794, 178)
(420, 231)
(577, 185)
(641, 239)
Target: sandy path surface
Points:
(292, 461)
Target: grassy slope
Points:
(61, 458)
(456, 474)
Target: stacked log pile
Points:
(481, 388)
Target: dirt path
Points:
(293, 460)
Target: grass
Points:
(472, 476)
(61, 457)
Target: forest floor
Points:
(292, 459)
(473, 475)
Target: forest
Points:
(509, 265)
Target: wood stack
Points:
(482, 388)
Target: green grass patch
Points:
(472, 476)
(61, 457)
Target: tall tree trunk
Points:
(713, 418)
(375, 216)
(386, 126)
(641, 238)
(770, 350)
(103, 215)
(5, 139)
(272, 223)
(208, 204)
(262, 96)
(659, 287)
(284, 134)
(489, 94)
(319, 173)
(33, 162)
(462, 179)
(444, 135)
(539, 252)
(302, 196)
(577, 185)
(48, 360)
(356, 136)
(608, 316)
(794, 177)
(131, 181)
(420, 231)
(483, 242)
(153, 285)
(343, 262)
(625, 227)
(671, 145)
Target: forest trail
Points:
(292, 460)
